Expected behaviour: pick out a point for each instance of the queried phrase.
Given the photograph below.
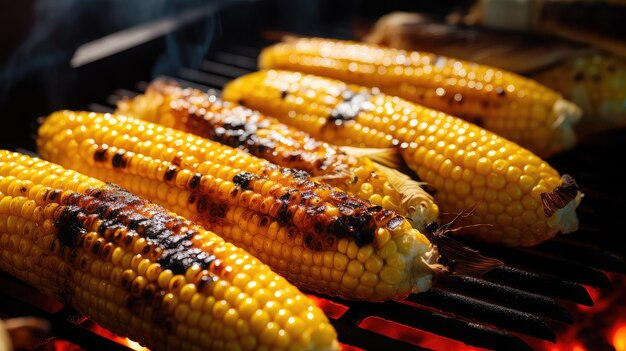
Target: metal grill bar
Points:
(210, 79)
(538, 284)
(248, 50)
(482, 312)
(541, 262)
(226, 70)
(506, 296)
(236, 60)
(591, 255)
(474, 334)
(368, 340)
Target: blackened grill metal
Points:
(525, 297)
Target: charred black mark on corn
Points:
(357, 219)
(349, 108)
(180, 260)
(126, 218)
(264, 221)
(119, 160)
(297, 174)
(244, 179)
(205, 280)
(259, 135)
(69, 225)
(360, 228)
(53, 196)
(194, 182)
(218, 210)
(170, 173)
(100, 154)
(122, 218)
(208, 206)
(237, 127)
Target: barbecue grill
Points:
(525, 304)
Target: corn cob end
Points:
(567, 116)
(426, 269)
(560, 206)
(421, 258)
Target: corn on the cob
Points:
(319, 238)
(517, 198)
(196, 112)
(597, 83)
(141, 271)
(515, 107)
(594, 81)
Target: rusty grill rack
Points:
(530, 296)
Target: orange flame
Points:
(135, 345)
(331, 309)
(619, 337)
(414, 336)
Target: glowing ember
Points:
(414, 336)
(135, 345)
(619, 338)
(331, 309)
(600, 327)
(60, 345)
(345, 347)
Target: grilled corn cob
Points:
(517, 108)
(194, 111)
(597, 83)
(319, 238)
(141, 271)
(594, 81)
(517, 199)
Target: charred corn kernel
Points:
(310, 216)
(101, 218)
(197, 112)
(510, 105)
(436, 149)
(597, 83)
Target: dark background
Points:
(39, 38)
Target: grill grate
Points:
(496, 311)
